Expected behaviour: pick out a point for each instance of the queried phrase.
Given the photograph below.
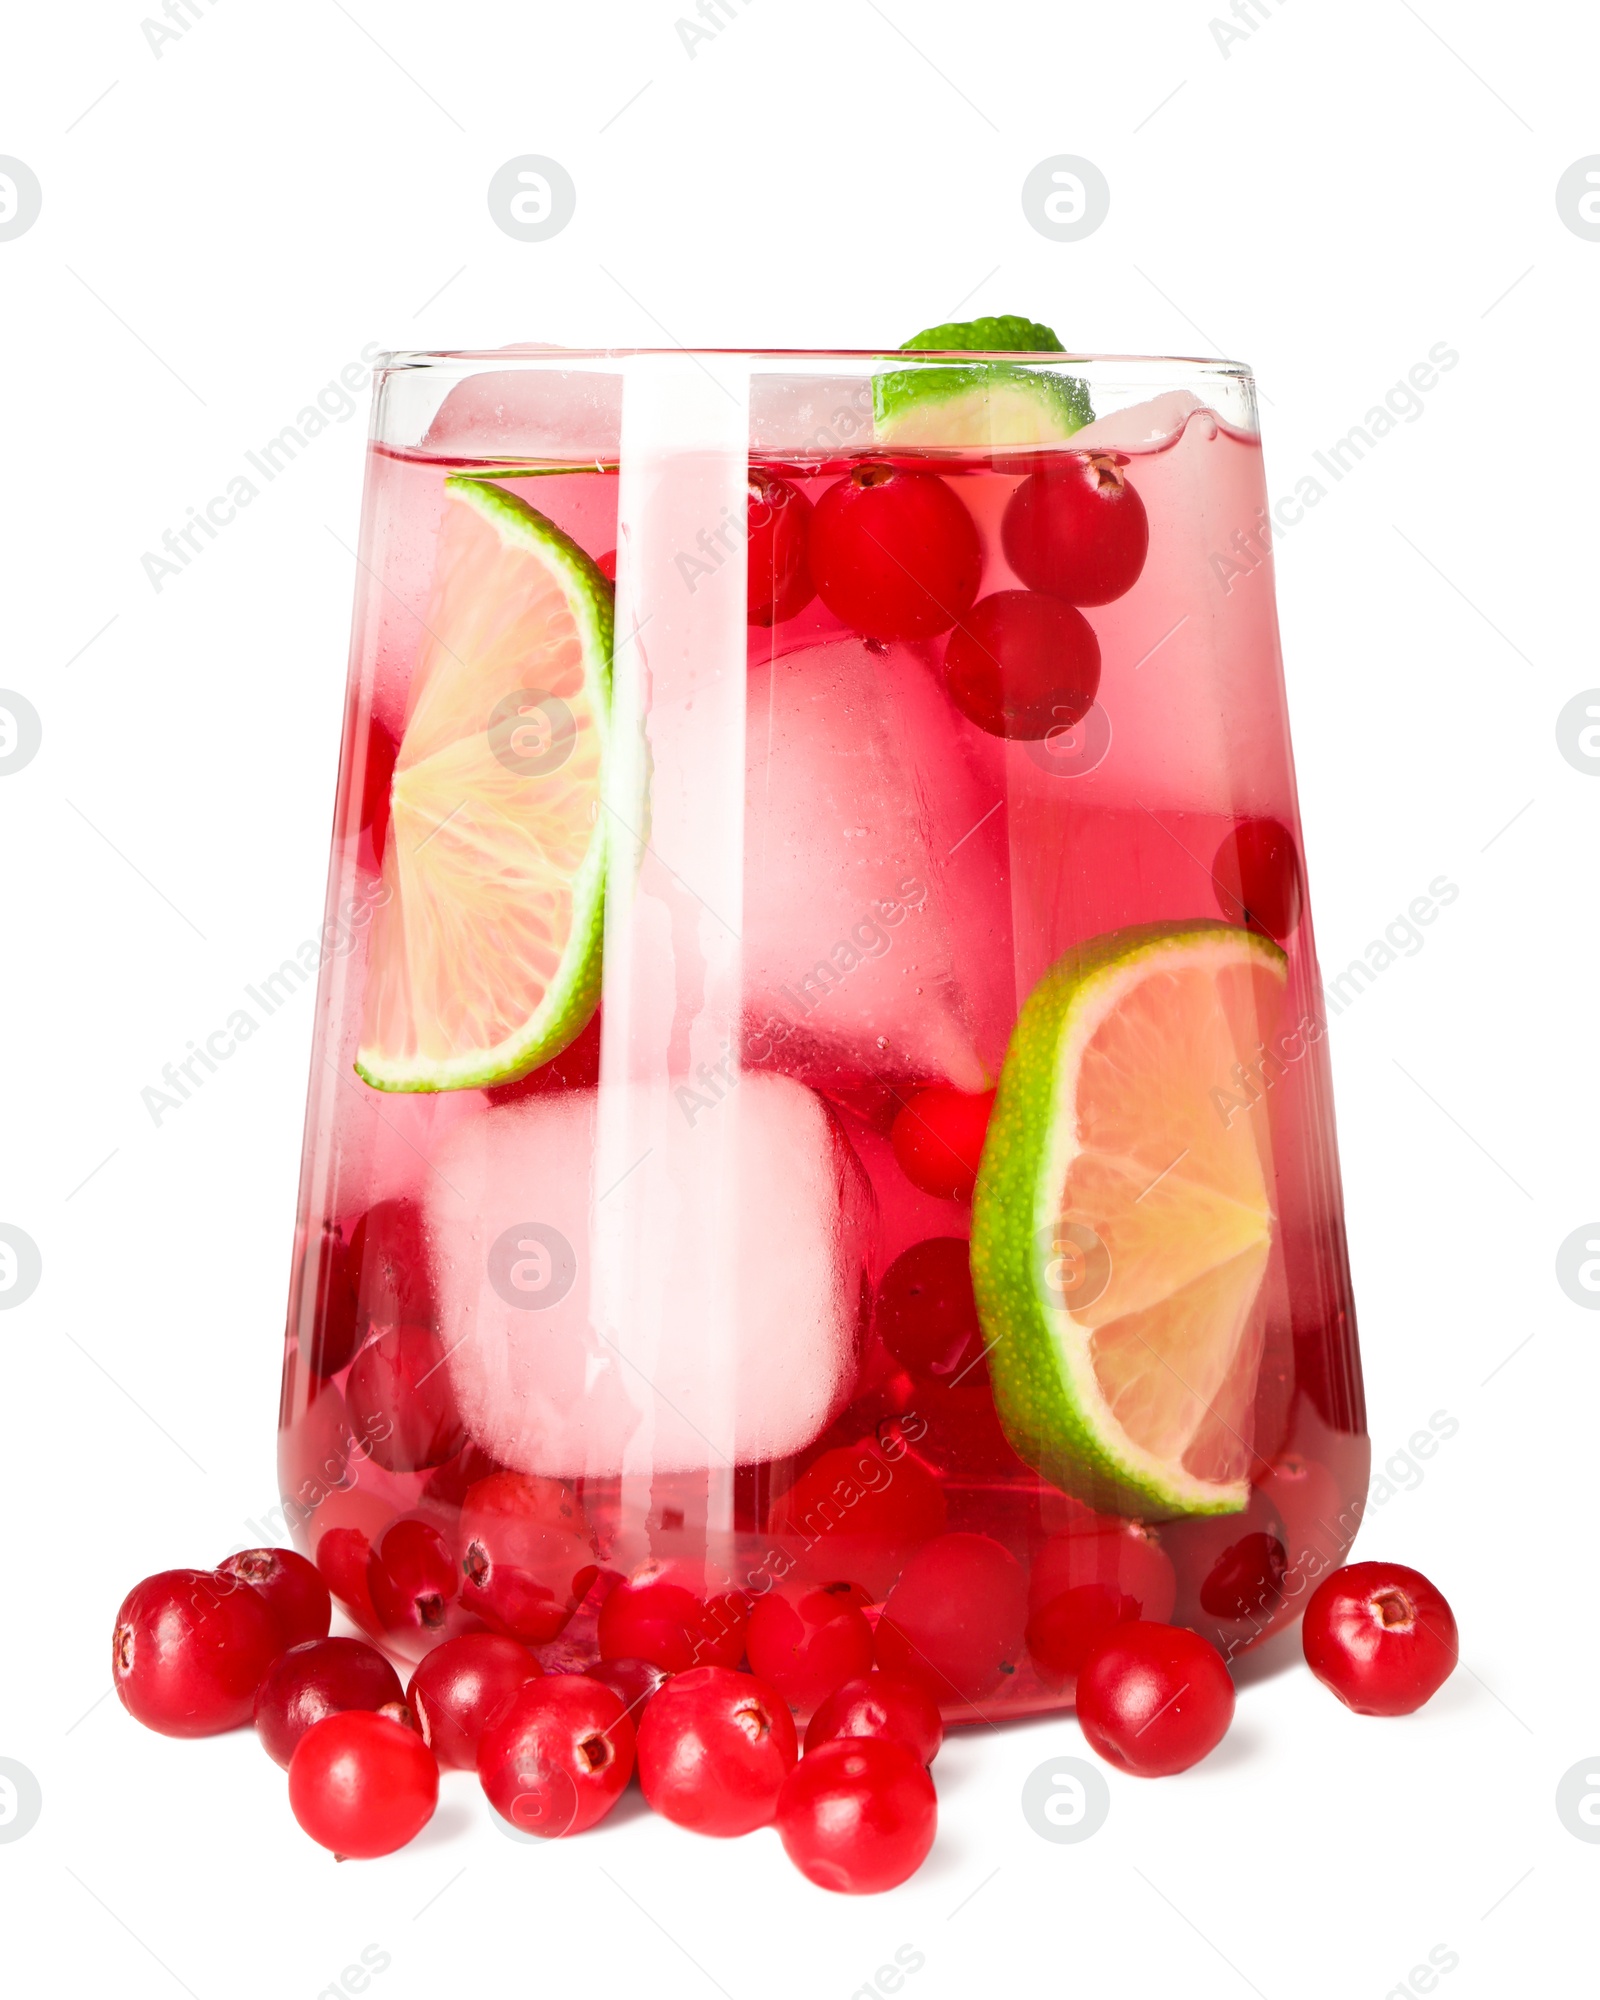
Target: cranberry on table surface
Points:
(779, 524)
(895, 554)
(956, 1617)
(899, 1708)
(1381, 1636)
(927, 1316)
(1154, 1699)
(714, 1749)
(294, 1592)
(413, 1577)
(1077, 529)
(558, 1756)
(362, 1784)
(858, 1815)
(456, 1692)
(189, 1649)
(527, 1557)
(1022, 663)
(1258, 878)
(806, 1639)
(938, 1137)
(399, 1399)
(633, 1682)
(318, 1678)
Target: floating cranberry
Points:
(956, 1616)
(779, 519)
(336, 1326)
(557, 1758)
(189, 1650)
(654, 1615)
(858, 1815)
(899, 1708)
(927, 1316)
(362, 1784)
(377, 782)
(1231, 1571)
(1317, 1523)
(413, 1579)
(938, 1137)
(633, 1682)
(1154, 1699)
(460, 1687)
(714, 1749)
(1022, 663)
(857, 1512)
(1381, 1636)
(389, 1263)
(1258, 878)
(894, 553)
(317, 1678)
(399, 1398)
(1077, 529)
(526, 1556)
(294, 1592)
(806, 1639)
(607, 565)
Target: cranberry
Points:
(413, 1578)
(447, 1485)
(1231, 1570)
(397, 1711)
(780, 577)
(897, 1707)
(344, 1556)
(938, 1136)
(1316, 1521)
(336, 1322)
(1257, 877)
(362, 1784)
(189, 1650)
(806, 1639)
(633, 1682)
(526, 1555)
(319, 1677)
(1021, 664)
(655, 1616)
(714, 1749)
(389, 1262)
(858, 1512)
(895, 553)
(956, 1615)
(1154, 1699)
(459, 1687)
(858, 1815)
(377, 780)
(398, 1395)
(927, 1316)
(557, 1757)
(1098, 1574)
(1077, 529)
(1381, 1636)
(295, 1594)
(607, 565)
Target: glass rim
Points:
(398, 359)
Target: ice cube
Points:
(810, 417)
(573, 415)
(876, 918)
(514, 1214)
(1142, 426)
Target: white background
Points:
(225, 225)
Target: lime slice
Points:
(485, 956)
(989, 404)
(1123, 1219)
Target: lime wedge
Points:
(991, 403)
(1123, 1219)
(485, 956)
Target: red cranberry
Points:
(526, 1555)
(1154, 1699)
(336, 1325)
(714, 1748)
(399, 1399)
(189, 1650)
(956, 1616)
(1258, 879)
(897, 1707)
(362, 1784)
(1102, 1549)
(1231, 1570)
(557, 1757)
(377, 780)
(389, 1262)
(858, 1512)
(1077, 529)
(894, 553)
(655, 1616)
(927, 1316)
(1021, 664)
(319, 1677)
(460, 1686)
(805, 1639)
(633, 1682)
(1381, 1636)
(344, 1556)
(780, 577)
(412, 1577)
(858, 1815)
(607, 565)
(1315, 1514)
(295, 1594)
(938, 1139)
